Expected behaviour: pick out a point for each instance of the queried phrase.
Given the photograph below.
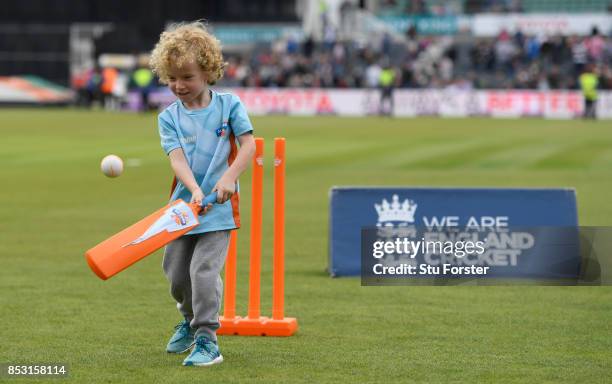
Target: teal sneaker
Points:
(205, 353)
(182, 339)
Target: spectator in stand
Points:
(532, 49)
(515, 6)
(496, 6)
(503, 6)
(387, 43)
(293, 46)
(242, 71)
(579, 54)
(595, 45)
(505, 50)
(308, 47)
(483, 57)
(445, 69)
(416, 7)
(329, 37)
(554, 77)
(561, 52)
(230, 72)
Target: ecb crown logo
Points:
(395, 213)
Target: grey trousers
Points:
(192, 264)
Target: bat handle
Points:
(210, 199)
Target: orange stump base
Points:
(263, 326)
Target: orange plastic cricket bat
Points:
(118, 252)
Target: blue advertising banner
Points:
(425, 25)
(507, 219)
(235, 34)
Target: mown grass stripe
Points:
(464, 157)
(581, 155)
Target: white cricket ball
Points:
(112, 166)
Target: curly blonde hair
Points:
(182, 43)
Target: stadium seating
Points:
(565, 6)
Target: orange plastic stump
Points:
(254, 324)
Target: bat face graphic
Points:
(174, 219)
(180, 218)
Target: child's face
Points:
(187, 82)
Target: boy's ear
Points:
(206, 77)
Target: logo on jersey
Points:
(222, 130)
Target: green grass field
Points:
(56, 204)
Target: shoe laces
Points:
(205, 345)
(183, 327)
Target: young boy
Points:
(199, 133)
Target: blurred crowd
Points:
(108, 86)
(508, 61)
(504, 62)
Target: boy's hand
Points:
(196, 197)
(225, 188)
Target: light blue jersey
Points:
(208, 139)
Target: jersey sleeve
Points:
(239, 119)
(168, 135)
